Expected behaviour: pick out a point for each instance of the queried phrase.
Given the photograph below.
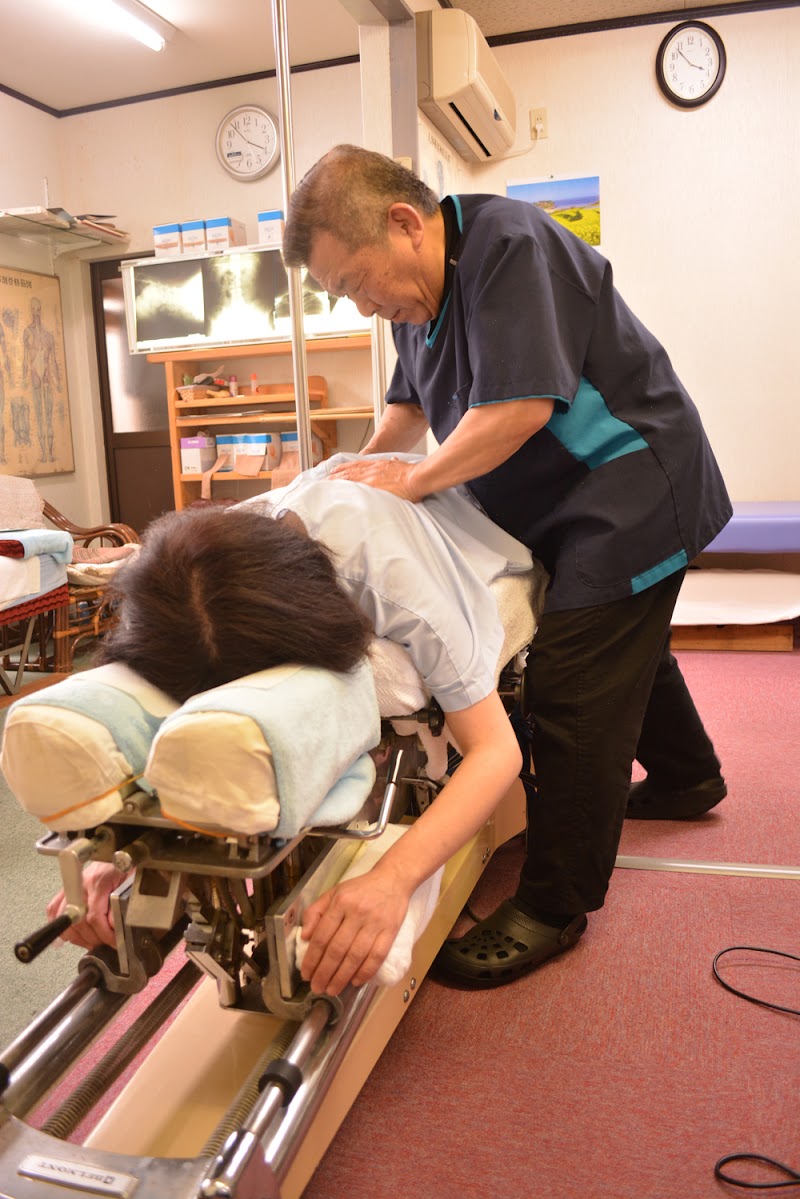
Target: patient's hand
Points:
(96, 928)
(351, 928)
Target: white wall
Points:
(698, 213)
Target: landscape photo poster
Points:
(35, 430)
(572, 201)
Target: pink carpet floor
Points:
(621, 1070)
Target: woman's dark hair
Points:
(218, 593)
(348, 194)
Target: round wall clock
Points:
(248, 143)
(690, 64)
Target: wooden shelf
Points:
(210, 411)
(263, 349)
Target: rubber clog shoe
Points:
(503, 947)
(648, 801)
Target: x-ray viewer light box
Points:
(192, 301)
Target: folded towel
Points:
(420, 908)
(43, 541)
(273, 752)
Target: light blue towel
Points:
(319, 726)
(132, 727)
(42, 541)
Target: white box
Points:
(198, 454)
(223, 232)
(270, 227)
(167, 239)
(193, 235)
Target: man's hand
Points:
(386, 474)
(96, 928)
(351, 929)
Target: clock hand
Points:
(247, 139)
(696, 66)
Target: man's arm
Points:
(400, 428)
(484, 438)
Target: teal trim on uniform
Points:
(656, 573)
(431, 337)
(590, 432)
(459, 213)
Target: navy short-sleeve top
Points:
(620, 488)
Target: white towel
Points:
(420, 908)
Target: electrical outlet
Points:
(538, 118)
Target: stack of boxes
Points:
(215, 234)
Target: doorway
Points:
(134, 410)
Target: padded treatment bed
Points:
(69, 752)
(753, 608)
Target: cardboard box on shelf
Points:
(248, 444)
(193, 234)
(198, 454)
(270, 227)
(167, 239)
(223, 232)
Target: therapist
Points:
(564, 416)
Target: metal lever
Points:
(375, 830)
(32, 946)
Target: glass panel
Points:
(136, 386)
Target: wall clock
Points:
(690, 64)
(248, 143)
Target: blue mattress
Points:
(760, 527)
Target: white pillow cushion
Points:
(69, 750)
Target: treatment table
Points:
(246, 1086)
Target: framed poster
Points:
(35, 430)
(573, 202)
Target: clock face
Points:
(690, 64)
(247, 142)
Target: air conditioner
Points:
(460, 86)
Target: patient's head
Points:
(218, 593)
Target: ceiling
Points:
(50, 56)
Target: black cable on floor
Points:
(792, 1176)
(743, 994)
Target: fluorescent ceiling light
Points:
(128, 17)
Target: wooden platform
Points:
(779, 636)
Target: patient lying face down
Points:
(309, 576)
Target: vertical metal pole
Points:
(299, 365)
(378, 369)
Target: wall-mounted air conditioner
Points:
(460, 86)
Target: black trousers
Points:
(603, 688)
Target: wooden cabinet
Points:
(271, 409)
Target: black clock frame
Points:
(660, 74)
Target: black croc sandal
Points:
(503, 947)
(647, 801)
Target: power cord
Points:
(792, 1178)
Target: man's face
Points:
(388, 279)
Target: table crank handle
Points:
(32, 946)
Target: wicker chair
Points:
(88, 614)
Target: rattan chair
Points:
(88, 614)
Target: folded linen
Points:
(273, 752)
(43, 541)
(420, 908)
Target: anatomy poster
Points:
(35, 432)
